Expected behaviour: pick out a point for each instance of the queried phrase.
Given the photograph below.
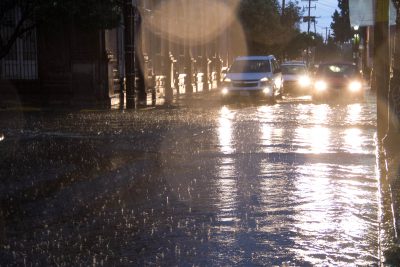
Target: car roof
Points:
(337, 63)
(255, 57)
(293, 63)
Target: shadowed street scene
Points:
(203, 184)
(199, 133)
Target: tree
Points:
(300, 42)
(341, 22)
(90, 14)
(394, 92)
(266, 31)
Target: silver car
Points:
(296, 79)
(257, 76)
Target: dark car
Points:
(338, 80)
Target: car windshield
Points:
(250, 66)
(336, 70)
(293, 69)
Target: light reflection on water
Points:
(286, 184)
(330, 215)
(318, 203)
(353, 140)
(320, 114)
(353, 113)
(270, 133)
(313, 140)
(225, 131)
(226, 183)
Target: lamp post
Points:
(135, 88)
(356, 44)
(381, 74)
(129, 48)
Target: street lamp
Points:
(356, 43)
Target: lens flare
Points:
(321, 86)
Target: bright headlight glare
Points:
(224, 91)
(355, 86)
(267, 90)
(265, 79)
(304, 81)
(320, 86)
(227, 80)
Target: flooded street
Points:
(201, 184)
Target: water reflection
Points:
(320, 114)
(271, 134)
(353, 113)
(317, 138)
(225, 130)
(332, 214)
(314, 140)
(353, 140)
(226, 184)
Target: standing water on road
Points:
(239, 184)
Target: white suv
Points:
(253, 76)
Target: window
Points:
(249, 66)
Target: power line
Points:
(323, 4)
(310, 18)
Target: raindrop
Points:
(1, 137)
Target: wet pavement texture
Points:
(202, 183)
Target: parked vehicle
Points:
(253, 76)
(338, 79)
(296, 78)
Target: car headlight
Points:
(224, 91)
(264, 81)
(321, 86)
(227, 80)
(267, 90)
(355, 86)
(304, 81)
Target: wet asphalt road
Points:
(203, 183)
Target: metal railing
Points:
(21, 62)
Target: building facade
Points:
(180, 45)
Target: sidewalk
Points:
(389, 175)
(34, 106)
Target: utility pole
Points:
(392, 138)
(140, 88)
(381, 74)
(135, 87)
(309, 19)
(326, 34)
(129, 47)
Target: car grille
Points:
(290, 83)
(245, 83)
(337, 86)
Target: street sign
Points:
(362, 13)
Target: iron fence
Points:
(21, 61)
